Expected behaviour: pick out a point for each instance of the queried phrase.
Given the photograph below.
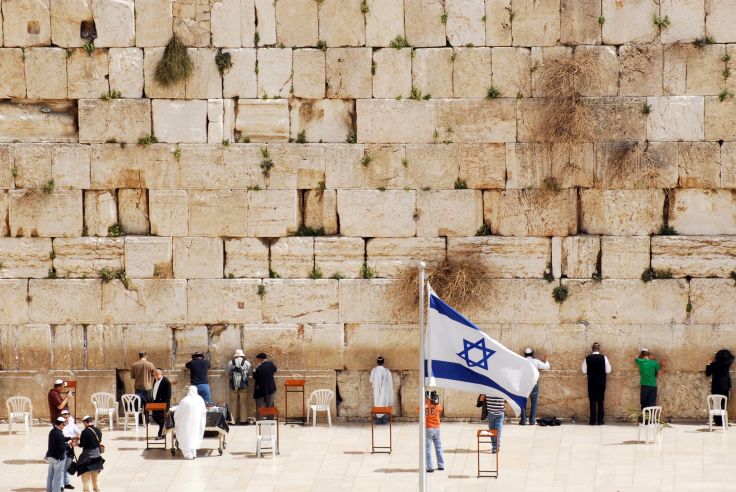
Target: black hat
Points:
(261, 356)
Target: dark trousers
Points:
(160, 419)
(596, 409)
(145, 396)
(648, 396)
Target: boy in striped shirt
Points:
(495, 407)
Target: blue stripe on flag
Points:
(450, 370)
(439, 305)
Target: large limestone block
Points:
(708, 256)
(367, 300)
(387, 257)
(226, 22)
(13, 77)
(579, 22)
(14, 301)
(531, 212)
(320, 210)
(296, 166)
(7, 348)
(728, 165)
(144, 301)
(449, 212)
(371, 213)
(218, 213)
(25, 257)
(636, 165)
(720, 119)
(169, 212)
(293, 257)
(99, 340)
(625, 256)
(297, 22)
(640, 73)
(204, 83)
(699, 164)
(512, 75)
(339, 257)
(222, 339)
(133, 211)
(469, 120)
(687, 20)
(32, 165)
(122, 120)
(517, 301)
(658, 301)
(300, 301)
(4, 206)
(341, 23)
(68, 347)
(607, 65)
(263, 121)
(348, 72)
(703, 212)
(504, 257)
(383, 22)
(155, 339)
(343, 167)
(629, 21)
(691, 70)
(385, 167)
(247, 257)
(24, 122)
(46, 76)
(432, 165)
(308, 77)
(536, 22)
(224, 301)
(712, 300)
(7, 159)
(534, 165)
(482, 166)
(115, 22)
(471, 72)
(180, 121)
(432, 72)
(621, 212)
(198, 257)
(322, 120)
(423, 22)
(100, 212)
(498, 22)
(66, 16)
(274, 72)
(365, 341)
(272, 213)
(114, 166)
(377, 121)
(26, 22)
(719, 18)
(580, 256)
(189, 339)
(465, 22)
(148, 257)
(84, 257)
(284, 344)
(70, 166)
(34, 213)
(35, 341)
(392, 77)
(153, 89)
(675, 118)
(356, 392)
(241, 80)
(64, 301)
(88, 74)
(216, 167)
(153, 22)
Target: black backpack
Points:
(238, 376)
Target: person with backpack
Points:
(238, 369)
(90, 462)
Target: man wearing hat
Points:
(534, 396)
(238, 369)
(56, 455)
(383, 389)
(161, 394)
(71, 432)
(649, 369)
(142, 373)
(57, 401)
(264, 383)
(198, 375)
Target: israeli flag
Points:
(462, 357)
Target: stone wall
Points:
(400, 128)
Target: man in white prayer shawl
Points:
(383, 389)
(190, 418)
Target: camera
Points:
(433, 397)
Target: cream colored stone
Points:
(423, 22)
(720, 119)
(465, 22)
(579, 22)
(224, 301)
(320, 210)
(148, 257)
(703, 212)
(348, 73)
(640, 73)
(324, 120)
(608, 71)
(709, 256)
(366, 301)
(629, 21)
(556, 257)
(144, 301)
(388, 256)
(126, 71)
(636, 165)
(512, 73)
(218, 213)
(24, 122)
(100, 212)
(7, 161)
(263, 121)
(482, 166)
(46, 76)
(215, 121)
(432, 72)
(392, 77)
(115, 22)
(36, 340)
(266, 15)
(247, 257)
(297, 166)
(693, 70)
(472, 72)
(32, 165)
(383, 22)
(217, 167)
(83, 257)
(68, 346)
(26, 22)
(296, 22)
(341, 22)
(624, 257)
(64, 301)
(699, 164)
(205, 81)
(687, 20)
(153, 22)
(25, 257)
(180, 121)
(509, 301)
(33, 213)
(369, 213)
(503, 257)
(123, 120)
(675, 118)
(432, 165)
(540, 165)
(88, 74)
(13, 77)
(4, 206)
(339, 257)
(233, 23)
(719, 18)
(300, 301)
(377, 121)
(115, 166)
(272, 213)
(491, 120)
(712, 300)
(293, 257)
(536, 22)
(621, 212)
(169, 212)
(728, 165)
(274, 72)
(384, 168)
(498, 22)
(342, 166)
(531, 212)
(14, 301)
(308, 77)
(66, 17)
(198, 257)
(449, 213)
(580, 256)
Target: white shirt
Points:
(71, 429)
(155, 387)
(541, 366)
(608, 364)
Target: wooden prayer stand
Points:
(270, 412)
(155, 407)
(485, 436)
(381, 411)
(294, 386)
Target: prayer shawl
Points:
(190, 418)
(383, 387)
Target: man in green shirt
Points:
(649, 369)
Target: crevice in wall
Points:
(669, 195)
(85, 347)
(52, 342)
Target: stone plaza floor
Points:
(566, 458)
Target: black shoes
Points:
(441, 468)
(70, 486)
(430, 470)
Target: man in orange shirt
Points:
(432, 411)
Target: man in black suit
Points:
(161, 394)
(596, 366)
(264, 384)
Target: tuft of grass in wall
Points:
(224, 62)
(651, 274)
(52, 274)
(52, 256)
(89, 47)
(351, 138)
(415, 94)
(116, 230)
(511, 13)
(483, 19)
(256, 38)
(321, 186)
(493, 93)
(14, 171)
(245, 139)
(646, 109)
(701, 42)
(253, 188)
(266, 162)
(49, 186)
(461, 184)
(306, 231)
(560, 293)
(366, 271)
(550, 183)
(231, 275)
(261, 290)
(667, 230)
(726, 73)
(689, 308)
(661, 22)
(726, 58)
(301, 137)
(337, 276)
(601, 20)
(273, 274)
(399, 42)
(366, 160)
(177, 153)
(381, 188)
(68, 53)
(175, 65)
(725, 94)
(322, 45)
(226, 142)
(484, 230)
(373, 68)
(405, 162)
(108, 274)
(147, 140)
(315, 274)
(109, 95)
(443, 18)
(548, 275)
(364, 7)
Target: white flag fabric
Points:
(460, 356)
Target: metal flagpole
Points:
(422, 417)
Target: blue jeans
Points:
(533, 414)
(67, 477)
(204, 391)
(55, 477)
(433, 436)
(495, 422)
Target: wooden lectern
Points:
(381, 411)
(485, 436)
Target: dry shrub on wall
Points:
(175, 65)
(462, 283)
(632, 163)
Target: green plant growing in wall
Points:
(266, 162)
(109, 95)
(301, 137)
(651, 274)
(351, 138)
(261, 290)
(484, 230)
(548, 275)
(381, 188)
(226, 142)
(116, 230)
(177, 153)
(322, 45)
(175, 65)
(52, 274)
(306, 231)
(725, 94)
(231, 275)
(364, 7)
(14, 171)
(443, 18)
(366, 160)
(550, 183)
(399, 42)
(511, 13)
(493, 93)
(68, 53)
(416, 94)
(256, 38)
(147, 140)
(701, 42)
(224, 62)
(405, 162)
(667, 230)
(337, 276)
(733, 276)
(646, 109)
(560, 293)
(89, 47)
(601, 20)
(461, 184)
(315, 274)
(49, 186)
(366, 271)
(273, 274)
(661, 22)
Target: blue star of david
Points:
(486, 353)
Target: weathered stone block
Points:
(133, 211)
(636, 165)
(221, 340)
(218, 213)
(148, 257)
(122, 120)
(247, 257)
(433, 165)
(14, 301)
(720, 119)
(342, 23)
(217, 167)
(180, 121)
(46, 76)
(343, 167)
(300, 301)
(25, 257)
(365, 301)
(432, 72)
(88, 74)
(263, 121)
(100, 212)
(309, 73)
(153, 22)
(227, 19)
(709, 256)
(387, 257)
(629, 22)
(115, 23)
(536, 23)
(68, 347)
(719, 17)
(579, 22)
(293, 257)
(66, 16)
(114, 166)
(482, 166)
(169, 212)
(687, 20)
(531, 212)
(384, 169)
(24, 122)
(391, 213)
(34, 213)
(640, 75)
(153, 89)
(224, 301)
(26, 22)
(274, 72)
(580, 256)
(699, 164)
(621, 212)
(296, 166)
(357, 393)
(324, 120)
(728, 165)
(693, 70)
(13, 78)
(64, 301)
(504, 257)
(348, 73)
(241, 80)
(5, 228)
(488, 120)
(517, 301)
(512, 75)
(296, 23)
(144, 301)
(365, 341)
(36, 343)
(376, 121)
(449, 212)
(498, 22)
(392, 76)
(156, 340)
(70, 166)
(471, 72)
(543, 165)
(84, 257)
(272, 213)
(675, 118)
(32, 165)
(320, 210)
(624, 257)
(339, 256)
(198, 257)
(465, 25)
(703, 212)
(712, 300)
(383, 22)
(423, 24)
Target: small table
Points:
(270, 412)
(155, 407)
(216, 423)
(381, 411)
(485, 436)
(294, 386)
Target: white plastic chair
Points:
(105, 405)
(319, 401)
(266, 432)
(20, 408)
(131, 406)
(650, 424)
(717, 405)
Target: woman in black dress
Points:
(721, 381)
(90, 461)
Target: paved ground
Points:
(566, 458)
